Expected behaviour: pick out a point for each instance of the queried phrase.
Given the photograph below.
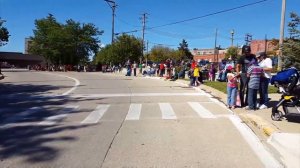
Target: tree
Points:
(47, 36)
(69, 43)
(184, 50)
(291, 47)
(124, 47)
(232, 51)
(160, 53)
(83, 40)
(274, 42)
(4, 34)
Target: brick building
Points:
(261, 45)
(208, 55)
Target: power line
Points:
(121, 20)
(203, 16)
(176, 36)
(210, 14)
(161, 44)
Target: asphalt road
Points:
(70, 119)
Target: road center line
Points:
(77, 83)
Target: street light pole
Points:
(113, 6)
(281, 35)
(232, 33)
(144, 17)
(216, 34)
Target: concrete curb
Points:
(263, 125)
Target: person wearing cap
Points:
(242, 66)
(266, 64)
(231, 87)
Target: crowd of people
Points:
(246, 77)
(250, 76)
(172, 70)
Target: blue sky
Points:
(259, 20)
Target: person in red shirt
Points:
(161, 69)
(193, 65)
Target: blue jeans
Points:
(231, 96)
(263, 91)
(244, 90)
(252, 98)
(192, 81)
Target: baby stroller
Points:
(287, 83)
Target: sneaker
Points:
(257, 105)
(248, 108)
(263, 107)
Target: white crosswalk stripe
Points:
(202, 111)
(57, 118)
(23, 114)
(134, 112)
(167, 111)
(96, 115)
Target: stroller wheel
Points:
(277, 116)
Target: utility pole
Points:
(147, 52)
(113, 6)
(266, 44)
(144, 17)
(281, 35)
(232, 33)
(248, 39)
(215, 49)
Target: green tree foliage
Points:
(275, 43)
(160, 53)
(184, 50)
(291, 47)
(124, 47)
(294, 31)
(4, 34)
(231, 51)
(69, 43)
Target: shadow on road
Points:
(20, 135)
(32, 142)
